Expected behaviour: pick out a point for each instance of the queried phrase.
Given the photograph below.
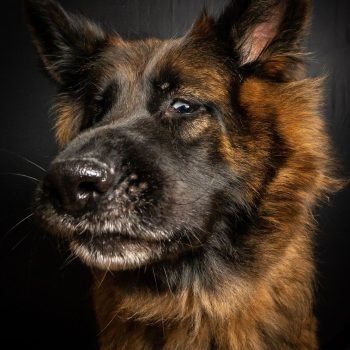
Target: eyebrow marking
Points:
(165, 85)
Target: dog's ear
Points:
(263, 34)
(267, 34)
(65, 42)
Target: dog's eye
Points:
(104, 102)
(183, 107)
(100, 109)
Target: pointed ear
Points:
(267, 32)
(65, 42)
(204, 27)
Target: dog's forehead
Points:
(194, 64)
(129, 58)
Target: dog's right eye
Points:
(103, 103)
(100, 110)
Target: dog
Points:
(188, 174)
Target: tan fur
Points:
(274, 143)
(68, 115)
(234, 313)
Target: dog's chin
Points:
(114, 252)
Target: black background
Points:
(44, 299)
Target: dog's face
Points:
(167, 146)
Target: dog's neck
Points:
(132, 316)
(242, 303)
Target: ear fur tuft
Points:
(64, 42)
(266, 36)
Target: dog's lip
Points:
(115, 251)
(87, 228)
(115, 236)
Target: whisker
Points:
(104, 275)
(22, 175)
(20, 241)
(24, 158)
(68, 261)
(18, 223)
(106, 326)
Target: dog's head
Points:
(170, 147)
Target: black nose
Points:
(75, 186)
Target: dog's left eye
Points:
(184, 107)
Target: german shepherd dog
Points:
(188, 174)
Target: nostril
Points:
(76, 185)
(87, 187)
(51, 189)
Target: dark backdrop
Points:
(44, 299)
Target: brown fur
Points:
(278, 149)
(275, 302)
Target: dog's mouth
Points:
(115, 222)
(109, 240)
(116, 251)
